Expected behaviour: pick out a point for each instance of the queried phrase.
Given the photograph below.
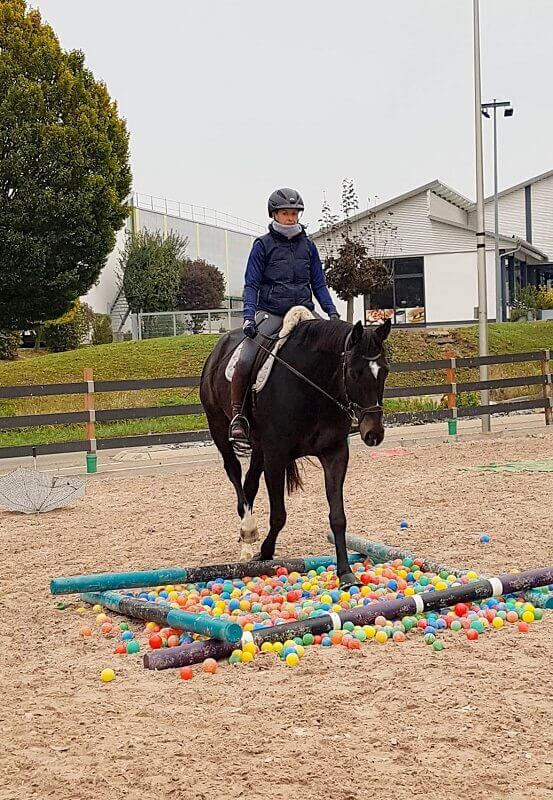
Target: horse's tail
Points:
(293, 478)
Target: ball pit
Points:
(289, 597)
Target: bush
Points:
(9, 342)
(102, 332)
(151, 265)
(544, 298)
(202, 285)
(70, 330)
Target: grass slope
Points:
(185, 356)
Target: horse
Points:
(326, 375)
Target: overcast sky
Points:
(228, 99)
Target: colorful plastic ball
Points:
(123, 626)
(249, 647)
(246, 657)
(308, 639)
(429, 638)
(85, 631)
(107, 675)
(538, 614)
(326, 641)
(267, 647)
(472, 634)
(403, 524)
(155, 641)
(484, 538)
(497, 622)
(292, 659)
(528, 616)
(127, 636)
(210, 666)
(120, 650)
(399, 636)
(106, 628)
(456, 625)
(523, 627)
(97, 608)
(381, 637)
(186, 673)
(80, 610)
(512, 616)
(133, 647)
(438, 645)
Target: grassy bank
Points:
(185, 356)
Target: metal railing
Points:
(203, 214)
(151, 325)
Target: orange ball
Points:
(210, 666)
(336, 637)
(85, 631)
(106, 628)
(172, 641)
(186, 673)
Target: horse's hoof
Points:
(348, 581)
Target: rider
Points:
(283, 269)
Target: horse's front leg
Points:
(274, 479)
(335, 464)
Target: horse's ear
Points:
(383, 331)
(357, 333)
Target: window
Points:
(403, 299)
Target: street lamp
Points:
(508, 111)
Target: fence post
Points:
(174, 324)
(451, 377)
(548, 386)
(89, 405)
(209, 320)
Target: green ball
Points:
(429, 638)
(348, 626)
(361, 635)
(477, 625)
(298, 639)
(234, 659)
(437, 645)
(408, 562)
(423, 580)
(444, 574)
(538, 613)
(133, 646)
(308, 639)
(408, 623)
(456, 625)
(123, 626)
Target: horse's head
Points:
(365, 371)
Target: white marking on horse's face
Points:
(375, 368)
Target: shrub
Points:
(9, 342)
(69, 331)
(102, 332)
(202, 285)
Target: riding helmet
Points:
(285, 199)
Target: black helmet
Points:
(285, 199)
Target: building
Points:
(432, 257)
(218, 238)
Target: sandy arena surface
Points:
(394, 721)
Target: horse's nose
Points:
(373, 438)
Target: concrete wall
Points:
(100, 298)
(451, 286)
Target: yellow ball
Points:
(151, 626)
(277, 647)
(472, 576)
(246, 657)
(97, 608)
(292, 659)
(528, 616)
(245, 605)
(289, 643)
(267, 647)
(326, 598)
(248, 626)
(381, 637)
(300, 650)
(107, 675)
(370, 631)
(409, 591)
(173, 596)
(440, 586)
(80, 610)
(378, 570)
(216, 612)
(170, 588)
(497, 622)
(249, 647)
(101, 617)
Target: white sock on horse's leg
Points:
(249, 534)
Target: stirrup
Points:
(241, 447)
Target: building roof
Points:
(527, 182)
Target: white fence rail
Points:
(152, 325)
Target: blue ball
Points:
(484, 538)
(392, 585)
(126, 635)
(403, 524)
(233, 605)
(164, 594)
(326, 641)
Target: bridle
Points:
(352, 409)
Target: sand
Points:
(393, 721)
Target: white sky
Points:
(228, 99)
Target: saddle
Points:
(263, 363)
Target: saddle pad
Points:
(296, 315)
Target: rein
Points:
(352, 409)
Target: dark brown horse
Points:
(293, 418)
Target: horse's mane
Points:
(327, 336)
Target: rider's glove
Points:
(334, 315)
(249, 328)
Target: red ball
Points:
(155, 641)
(523, 627)
(186, 673)
(120, 649)
(365, 578)
(461, 610)
(281, 571)
(472, 635)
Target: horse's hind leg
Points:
(248, 527)
(274, 478)
(335, 465)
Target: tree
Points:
(64, 171)
(151, 267)
(202, 285)
(355, 256)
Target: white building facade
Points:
(432, 256)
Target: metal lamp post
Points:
(480, 229)
(508, 112)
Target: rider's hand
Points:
(249, 328)
(334, 315)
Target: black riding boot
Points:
(239, 429)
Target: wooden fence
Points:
(88, 387)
